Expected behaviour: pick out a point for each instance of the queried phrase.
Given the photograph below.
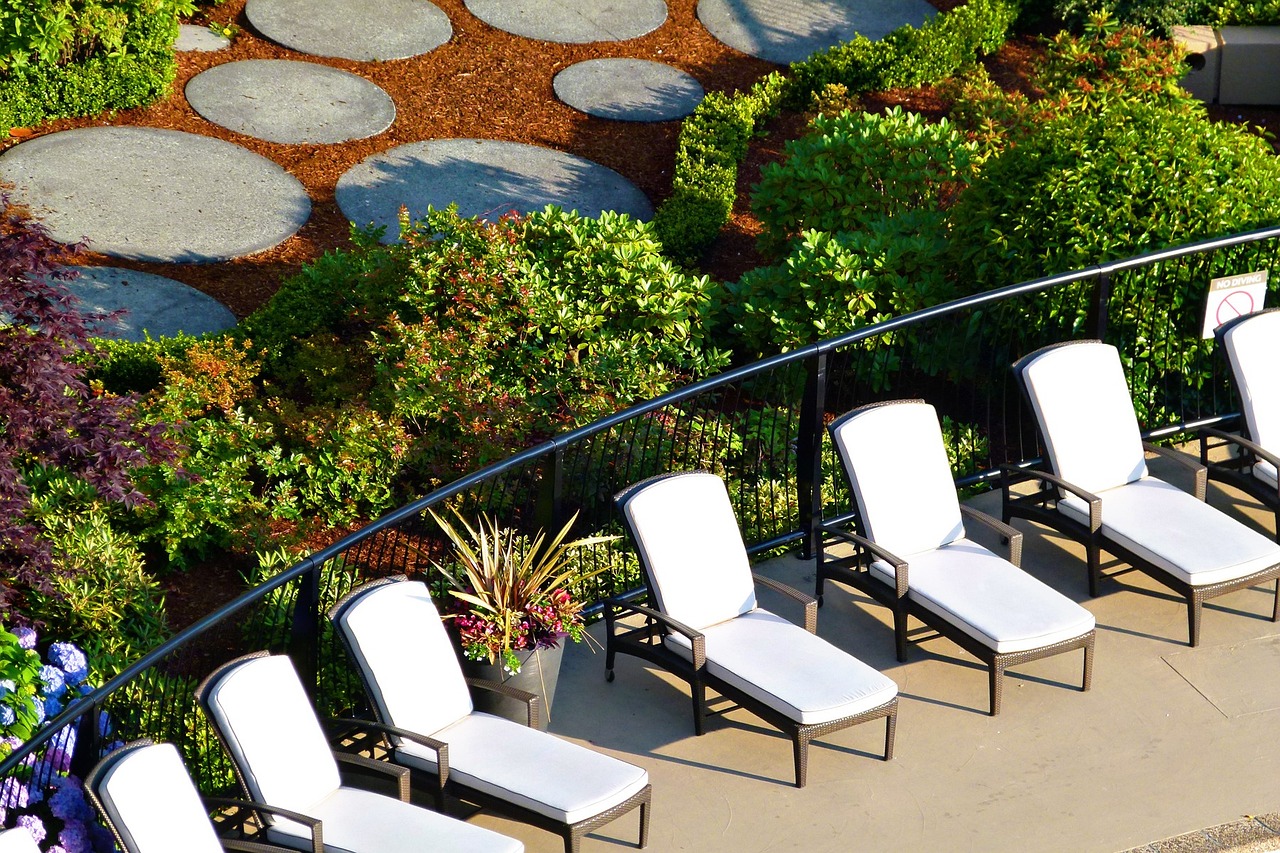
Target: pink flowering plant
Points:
(513, 593)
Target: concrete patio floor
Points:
(1169, 741)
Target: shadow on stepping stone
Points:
(628, 89)
(152, 304)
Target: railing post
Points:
(304, 638)
(548, 511)
(1101, 299)
(809, 453)
(86, 751)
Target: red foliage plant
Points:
(51, 419)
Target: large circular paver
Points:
(156, 195)
(152, 304)
(199, 39)
(786, 31)
(628, 89)
(284, 101)
(572, 21)
(484, 178)
(363, 30)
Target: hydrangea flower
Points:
(68, 658)
(74, 837)
(34, 825)
(14, 794)
(69, 804)
(52, 706)
(26, 637)
(54, 682)
(7, 716)
(7, 686)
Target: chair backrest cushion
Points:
(1253, 348)
(153, 803)
(897, 465)
(1081, 399)
(690, 545)
(273, 733)
(17, 840)
(409, 662)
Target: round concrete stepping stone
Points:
(363, 30)
(785, 32)
(156, 195)
(285, 101)
(153, 304)
(484, 178)
(194, 38)
(572, 21)
(628, 89)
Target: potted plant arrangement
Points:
(514, 605)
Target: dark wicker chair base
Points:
(645, 642)
(852, 571)
(1235, 471)
(1041, 507)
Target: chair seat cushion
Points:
(989, 598)
(790, 670)
(356, 821)
(1173, 531)
(533, 769)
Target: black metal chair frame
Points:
(1246, 452)
(443, 783)
(647, 642)
(1041, 506)
(250, 809)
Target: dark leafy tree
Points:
(51, 419)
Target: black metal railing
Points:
(760, 426)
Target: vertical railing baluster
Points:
(809, 453)
(304, 635)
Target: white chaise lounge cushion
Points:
(1185, 537)
(689, 540)
(17, 840)
(274, 736)
(535, 770)
(904, 489)
(1253, 348)
(153, 803)
(1086, 415)
(990, 599)
(357, 821)
(790, 670)
(400, 642)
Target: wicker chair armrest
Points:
(810, 603)
(532, 703)
(312, 823)
(1197, 470)
(1010, 533)
(901, 571)
(1240, 441)
(439, 747)
(1010, 474)
(252, 846)
(696, 639)
(395, 771)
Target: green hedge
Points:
(137, 72)
(713, 140)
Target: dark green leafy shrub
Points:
(1239, 13)
(852, 169)
(1159, 16)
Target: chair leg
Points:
(644, 825)
(699, 696)
(1275, 608)
(800, 744)
(572, 841)
(995, 686)
(1194, 603)
(900, 633)
(1087, 682)
(1095, 567)
(890, 733)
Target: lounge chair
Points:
(1097, 490)
(1252, 347)
(916, 559)
(17, 840)
(150, 804)
(411, 674)
(261, 712)
(706, 627)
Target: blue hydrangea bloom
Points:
(34, 825)
(54, 684)
(14, 794)
(7, 686)
(7, 716)
(69, 659)
(26, 637)
(52, 706)
(69, 804)
(39, 713)
(75, 838)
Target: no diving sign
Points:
(1233, 296)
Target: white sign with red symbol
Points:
(1233, 296)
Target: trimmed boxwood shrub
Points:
(56, 62)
